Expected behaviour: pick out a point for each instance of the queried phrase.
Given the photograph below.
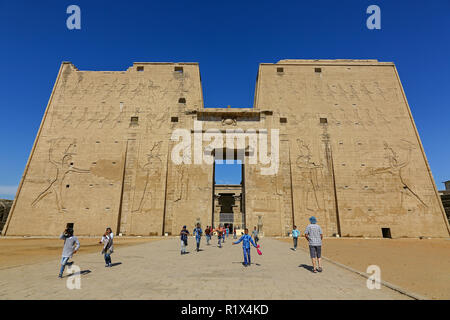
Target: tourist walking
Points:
(295, 235)
(234, 233)
(255, 235)
(108, 232)
(246, 240)
(184, 239)
(71, 246)
(207, 235)
(219, 235)
(314, 235)
(224, 231)
(198, 235)
(107, 240)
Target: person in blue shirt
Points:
(246, 240)
(223, 234)
(198, 235)
(295, 235)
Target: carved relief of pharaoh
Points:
(182, 175)
(60, 158)
(151, 177)
(398, 160)
(309, 195)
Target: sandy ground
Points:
(158, 270)
(419, 266)
(23, 251)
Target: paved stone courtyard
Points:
(157, 270)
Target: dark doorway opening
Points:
(226, 202)
(386, 232)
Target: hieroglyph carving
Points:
(63, 165)
(308, 173)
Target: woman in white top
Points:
(109, 232)
(107, 240)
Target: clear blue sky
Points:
(229, 39)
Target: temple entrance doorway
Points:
(228, 190)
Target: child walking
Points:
(198, 235)
(184, 237)
(295, 234)
(246, 240)
(208, 235)
(108, 248)
(71, 246)
(219, 236)
(255, 235)
(224, 232)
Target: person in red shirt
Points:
(208, 235)
(220, 231)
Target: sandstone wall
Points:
(95, 165)
(348, 148)
(369, 140)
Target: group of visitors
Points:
(313, 234)
(72, 244)
(222, 233)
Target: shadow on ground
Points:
(82, 272)
(305, 266)
(253, 264)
